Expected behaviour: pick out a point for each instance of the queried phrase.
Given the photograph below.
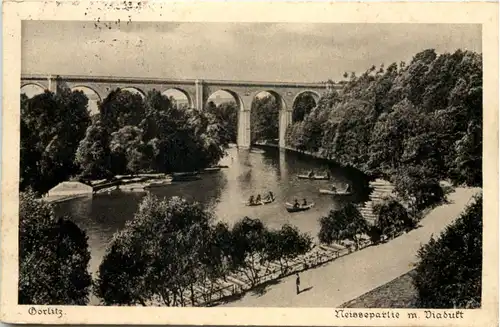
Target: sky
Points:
(230, 51)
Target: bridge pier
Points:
(285, 121)
(244, 129)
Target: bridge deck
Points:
(151, 80)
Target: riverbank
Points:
(355, 274)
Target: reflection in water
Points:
(224, 193)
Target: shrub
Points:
(392, 217)
(345, 223)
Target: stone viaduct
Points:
(196, 91)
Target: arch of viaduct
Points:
(197, 93)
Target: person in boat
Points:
(270, 196)
(304, 202)
(296, 204)
(258, 199)
(328, 174)
(251, 200)
(334, 188)
(311, 174)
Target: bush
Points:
(392, 217)
(449, 270)
(53, 257)
(415, 186)
(345, 223)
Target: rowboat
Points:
(345, 191)
(257, 151)
(290, 208)
(322, 191)
(263, 202)
(316, 177)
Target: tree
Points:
(52, 126)
(425, 115)
(160, 254)
(302, 106)
(53, 256)
(226, 114)
(415, 186)
(128, 150)
(93, 154)
(449, 271)
(121, 108)
(392, 217)
(469, 160)
(345, 223)
(249, 240)
(286, 244)
(265, 118)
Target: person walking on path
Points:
(297, 283)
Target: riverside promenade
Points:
(355, 274)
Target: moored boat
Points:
(323, 191)
(211, 169)
(291, 208)
(187, 176)
(315, 177)
(345, 191)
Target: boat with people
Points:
(258, 201)
(313, 176)
(334, 191)
(297, 207)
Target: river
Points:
(224, 192)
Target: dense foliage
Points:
(172, 248)
(53, 256)
(449, 270)
(346, 223)
(52, 126)
(302, 106)
(134, 135)
(265, 118)
(227, 114)
(425, 116)
(392, 217)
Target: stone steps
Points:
(381, 190)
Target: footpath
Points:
(355, 274)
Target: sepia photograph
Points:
(250, 164)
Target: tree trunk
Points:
(193, 301)
(181, 295)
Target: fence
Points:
(239, 283)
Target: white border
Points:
(476, 13)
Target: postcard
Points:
(256, 163)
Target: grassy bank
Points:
(398, 293)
